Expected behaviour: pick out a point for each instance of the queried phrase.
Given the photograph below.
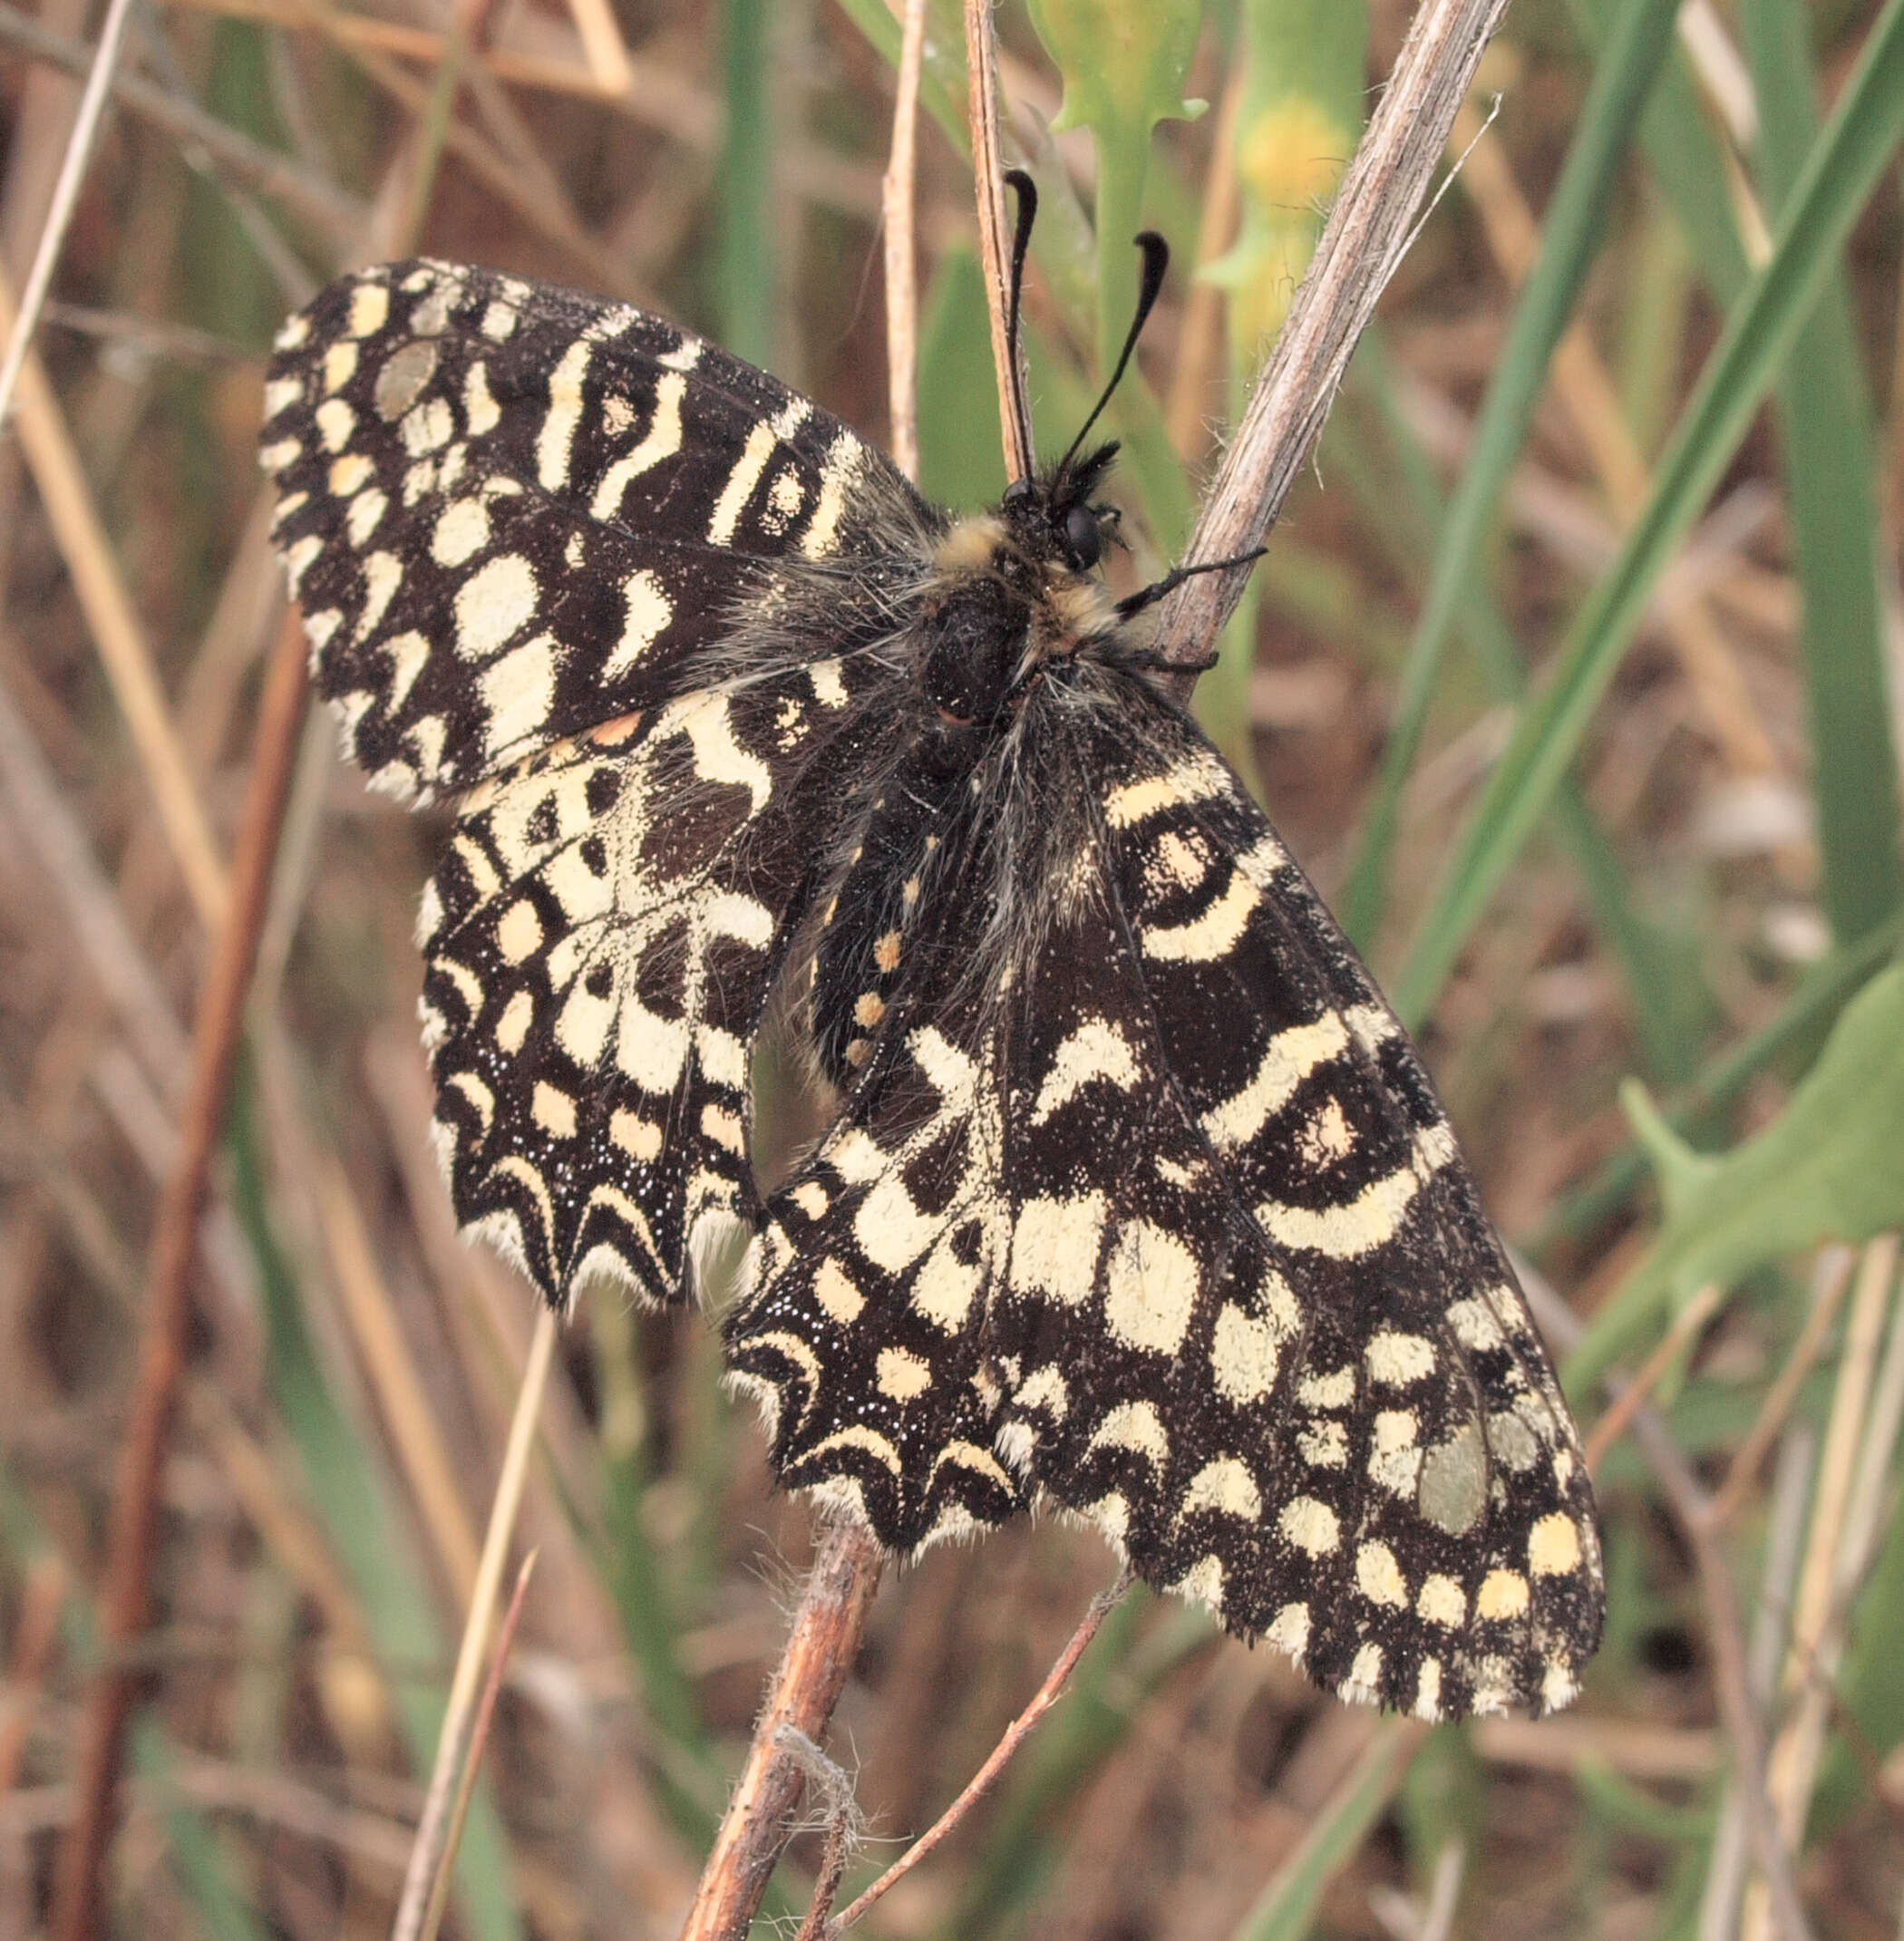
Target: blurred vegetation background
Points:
(1572, 676)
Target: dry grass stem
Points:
(1015, 1735)
(902, 286)
(434, 1829)
(1598, 415)
(1368, 231)
(1832, 1278)
(402, 1399)
(123, 650)
(472, 1762)
(993, 251)
(1686, 1324)
(133, 1542)
(1194, 404)
(48, 830)
(66, 199)
(337, 215)
(1692, 1509)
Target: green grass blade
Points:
(1843, 169)
(1824, 419)
(198, 1864)
(942, 76)
(1683, 156)
(1575, 222)
(744, 252)
(1669, 1000)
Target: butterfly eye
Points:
(1084, 540)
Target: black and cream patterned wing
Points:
(599, 941)
(512, 512)
(1255, 1325)
(864, 1341)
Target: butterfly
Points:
(1136, 1202)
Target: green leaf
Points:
(1860, 139)
(1123, 69)
(1829, 1166)
(1820, 994)
(1300, 118)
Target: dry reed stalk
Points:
(435, 1830)
(79, 1896)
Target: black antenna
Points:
(1156, 261)
(1027, 192)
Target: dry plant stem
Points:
(1015, 1734)
(66, 195)
(113, 622)
(1744, 1466)
(328, 209)
(1688, 1323)
(822, 1643)
(1368, 231)
(902, 290)
(433, 1829)
(126, 1600)
(989, 178)
(1693, 1511)
(479, 1740)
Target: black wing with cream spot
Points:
(512, 512)
(600, 938)
(1258, 1327)
(864, 1342)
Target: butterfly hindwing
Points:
(599, 941)
(865, 1343)
(512, 513)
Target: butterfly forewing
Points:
(1359, 1450)
(512, 513)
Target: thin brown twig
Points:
(1015, 1734)
(822, 1643)
(126, 1600)
(988, 181)
(825, 1634)
(902, 289)
(1368, 231)
(1686, 1323)
(1783, 1392)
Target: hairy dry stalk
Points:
(820, 1647)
